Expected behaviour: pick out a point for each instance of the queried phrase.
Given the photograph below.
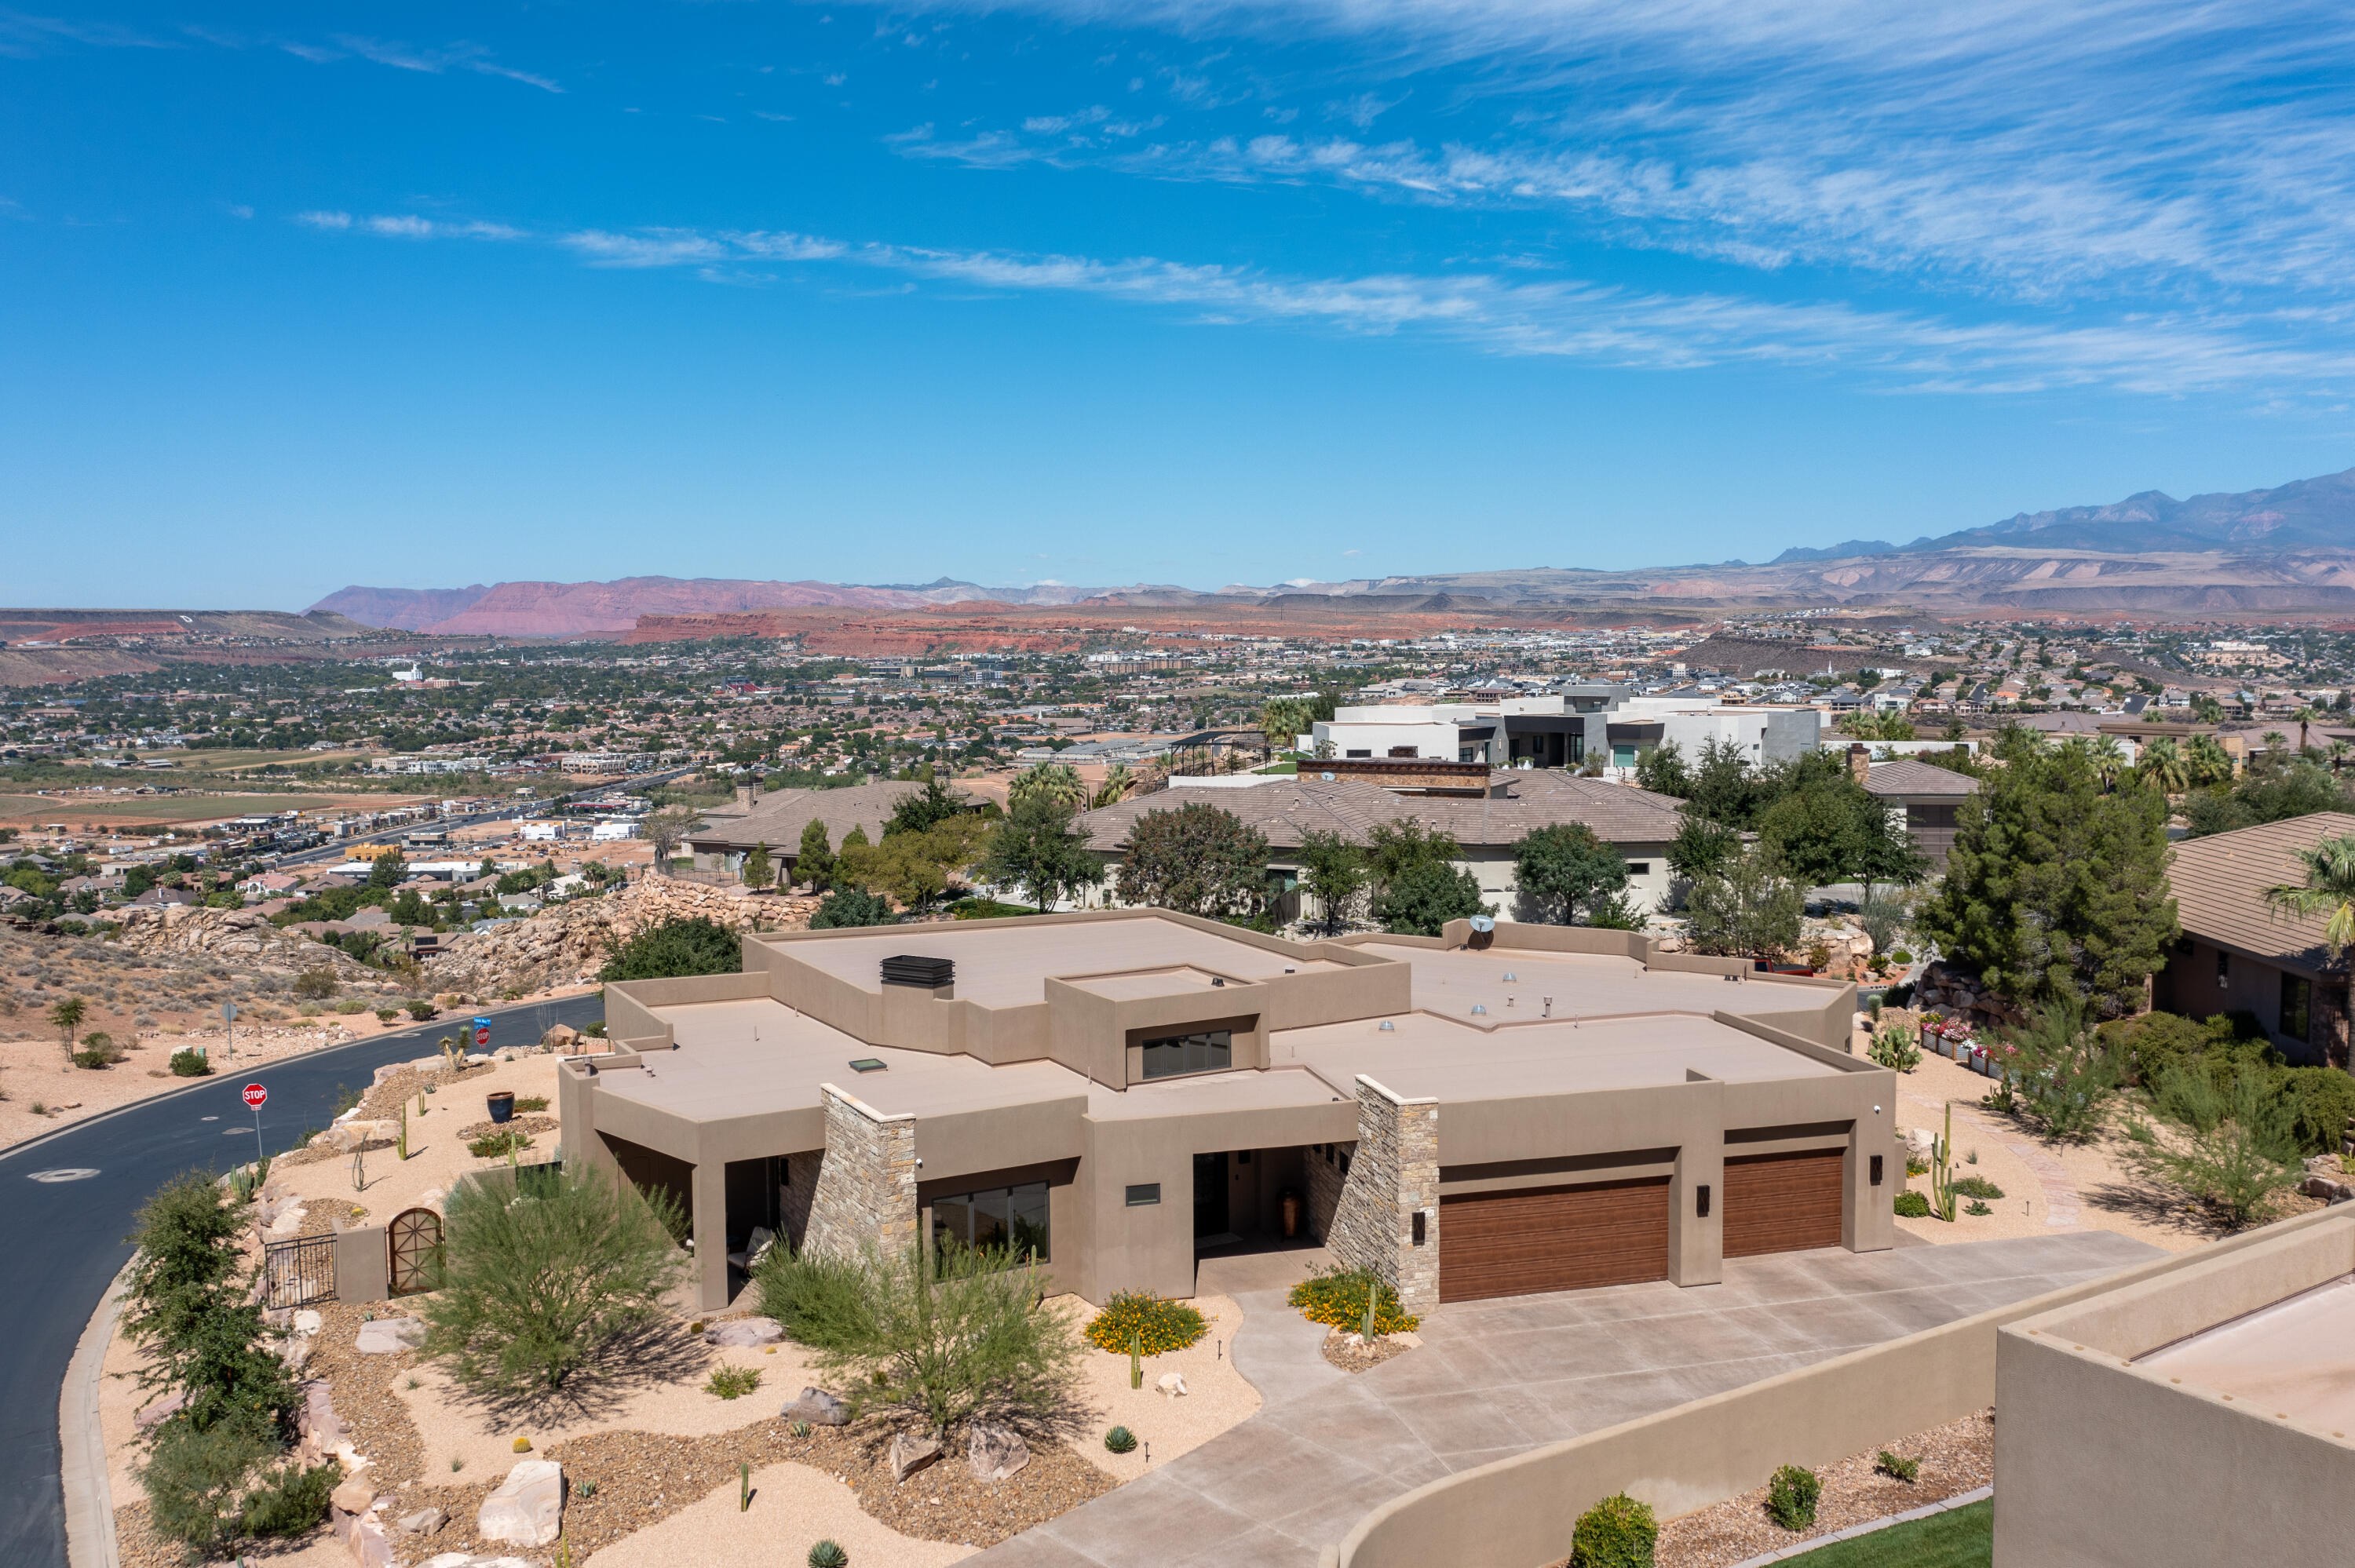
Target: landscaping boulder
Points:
(154, 1412)
(1172, 1384)
(993, 1452)
(354, 1495)
(744, 1332)
(466, 1560)
(910, 1454)
(819, 1408)
(425, 1521)
(390, 1336)
(527, 1507)
(307, 1320)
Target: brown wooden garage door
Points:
(1552, 1238)
(1782, 1203)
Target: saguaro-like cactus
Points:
(1942, 1173)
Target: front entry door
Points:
(1209, 1194)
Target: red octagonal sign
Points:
(255, 1094)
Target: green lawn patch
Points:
(1962, 1538)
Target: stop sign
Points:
(255, 1094)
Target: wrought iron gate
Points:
(414, 1240)
(298, 1273)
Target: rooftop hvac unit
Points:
(930, 974)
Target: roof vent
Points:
(928, 973)
(1479, 1010)
(1215, 980)
(1510, 977)
(1386, 1026)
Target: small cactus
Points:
(1136, 1362)
(401, 1147)
(743, 1486)
(827, 1555)
(1121, 1440)
(799, 1429)
(523, 1444)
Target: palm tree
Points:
(2339, 751)
(2164, 767)
(2205, 756)
(2305, 716)
(2109, 759)
(1051, 780)
(2328, 890)
(1115, 786)
(2206, 708)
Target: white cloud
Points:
(325, 220)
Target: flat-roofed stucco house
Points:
(1117, 1093)
(1503, 806)
(2239, 954)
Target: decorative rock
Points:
(1171, 1384)
(295, 1349)
(527, 1507)
(819, 1408)
(307, 1320)
(744, 1332)
(288, 1222)
(1406, 1338)
(425, 1521)
(154, 1412)
(390, 1336)
(909, 1455)
(993, 1452)
(464, 1560)
(353, 1495)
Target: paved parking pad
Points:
(1495, 1378)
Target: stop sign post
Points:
(254, 1094)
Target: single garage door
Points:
(1552, 1238)
(1782, 1203)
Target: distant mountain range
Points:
(2286, 549)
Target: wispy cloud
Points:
(21, 35)
(1892, 350)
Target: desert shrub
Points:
(532, 1103)
(1336, 1297)
(351, 1004)
(694, 946)
(733, 1382)
(847, 906)
(98, 1050)
(194, 1479)
(1791, 1497)
(1912, 1205)
(190, 1063)
(2063, 1074)
(1975, 1187)
(2155, 1043)
(935, 1342)
(495, 1145)
(1976, 1207)
(827, 1554)
(290, 1500)
(386, 1014)
(2320, 1101)
(420, 1009)
(1896, 1047)
(315, 984)
(1617, 1533)
(538, 1288)
(1157, 1325)
(1898, 1466)
(1121, 1440)
(188, 1309)
(2235, 1148)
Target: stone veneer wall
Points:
(866, 1187)
(797, 1193)
(1324, 1189)
(1395, 1173)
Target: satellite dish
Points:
(1484, 923)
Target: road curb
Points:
(81, 1438)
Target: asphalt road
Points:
(61, 1239)
(340, 849)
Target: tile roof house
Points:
(725, 836)
(1921, 798)
(2238, 954)
(1637, 822)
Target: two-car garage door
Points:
(1532, 1239)
(1527, 1240)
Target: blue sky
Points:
(295, 296)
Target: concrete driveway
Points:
(1493, 1378)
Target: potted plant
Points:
(502, 1104)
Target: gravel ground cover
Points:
(1359, 1358)
(1955, 1457)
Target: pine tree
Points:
(758, 872)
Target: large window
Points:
(1013, 1217)
(1210, 1051)
(2297, 1005)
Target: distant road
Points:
(63, 1238)
(340, 849)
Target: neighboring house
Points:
(1487, 822)
(1117, 1094)
(269, 885)
(1605, 724)
(2237, 954)
(1921, 798)
(725, 836)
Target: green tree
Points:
(846, 906)
(1402, 844)
(935, 1343)
(695, 944)
(1832, 831)
(187, 1308)
(1421, 899)
(1058, 782)
(387, 871)
(2273, 790)
(2328, 890)
(1724, 787)
(1196, 860)
(2055, 890)
(2165, 767)
(1333, 872)
(1748, 910)
(66, 1017)
(1564, 871)
(913, 866)
(1662, 770)
(1283, 720)
(667, 828)
(814, 863)
(2065, 1075)
(2207, 760)
(757, 872)
(1702, 848)
(2231, 1146)
(925, 809)
(1037, 848)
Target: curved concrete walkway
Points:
(1495, 1378)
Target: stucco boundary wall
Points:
(630, 1020)
(1520, 1512)
(1821, 1007)
(2103, 1462)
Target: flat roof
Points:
(758, 1056)
(2292, 1357)
(1131, 985)
(1203, 1094)
(1583, 985)
(1425, 1054)
(1007, 963)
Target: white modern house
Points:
(1565, 729)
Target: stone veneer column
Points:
(1393, 1174)
(865, 1183)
